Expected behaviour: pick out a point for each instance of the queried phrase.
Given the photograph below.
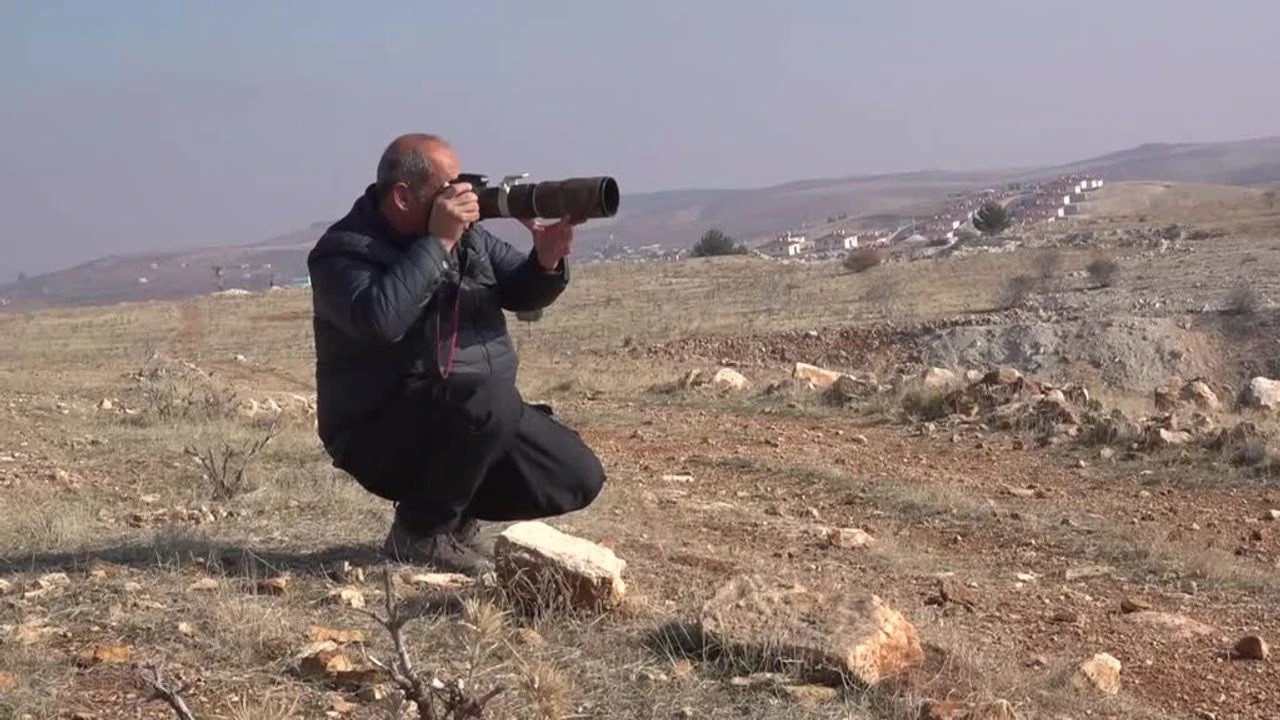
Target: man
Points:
(415, 370)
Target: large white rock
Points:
(1261, 393)
(821, 378)
(541, 565)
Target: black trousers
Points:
(471, 448)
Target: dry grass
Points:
(111, 498)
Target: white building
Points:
(836, 242)
(785, 245)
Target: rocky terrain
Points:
(818, 505)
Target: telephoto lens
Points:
(580, 198)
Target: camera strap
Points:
(453, 334)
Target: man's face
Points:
(416, 202)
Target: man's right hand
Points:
(454, 209)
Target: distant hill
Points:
(672, 219)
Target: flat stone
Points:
(543, 565)
(821, 636)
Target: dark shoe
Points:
(442, 552)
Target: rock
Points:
(848, 389)
(820, 377)
(1100, 672)
(1251, 647)
(105, 655)
(8, 682)
(318, 634)
(106, 405)
(1106, 453)
(938, 379)
(320, 660)
(828, 636)
(1198, 393)
(1134, 605)
(542, 564)
(1179, 626)
(350, 597)
(811, 695)
(1261, 394)
(274, 586)
(441, 581)
(5, 587)
(847, 538)
(1267, 516)
(951, 590)
(729, 379)
(203, 585)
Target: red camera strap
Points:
(453, 334)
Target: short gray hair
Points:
(403, 162)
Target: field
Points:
(1016, 551)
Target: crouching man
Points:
(415, 369)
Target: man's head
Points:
(412, 170)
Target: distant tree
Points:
(1103, 271)
(716, 242)
(217, 277)
(991, 219)
(1016, 291)
(862, 259)
(22, 277)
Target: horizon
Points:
(205, 127)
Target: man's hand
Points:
(452, 211)
(551, 243)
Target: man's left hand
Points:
(551, 243)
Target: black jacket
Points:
(377, 297)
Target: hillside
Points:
(670, 219)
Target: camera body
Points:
(578, 198)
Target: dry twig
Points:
(160, 690)
(434, 698)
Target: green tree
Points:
(716, 242)
(991, 219)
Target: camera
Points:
(579, 198)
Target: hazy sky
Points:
(132, 125)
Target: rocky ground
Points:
(1036, 512)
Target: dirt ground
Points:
(117, 551)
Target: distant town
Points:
(1027, 203)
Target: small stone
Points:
(1100, 672)
(1271, 516)
(1069, 617)
(1133, 605)
(274, 586)
(1251, 647)
(1087, 571)
(8, 682)
(350, 597)
(441, 581)
(847, 538)
(203, 585)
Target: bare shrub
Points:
(863, 259)
(1243, 300)
(888, 297)
(226, 465)
(1103, 271)
(1016, 291)
(1049, 265)
(170, 390)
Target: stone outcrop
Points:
(827, 637)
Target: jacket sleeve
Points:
(372, 303)
(522, 283)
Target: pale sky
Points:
(132, 125)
